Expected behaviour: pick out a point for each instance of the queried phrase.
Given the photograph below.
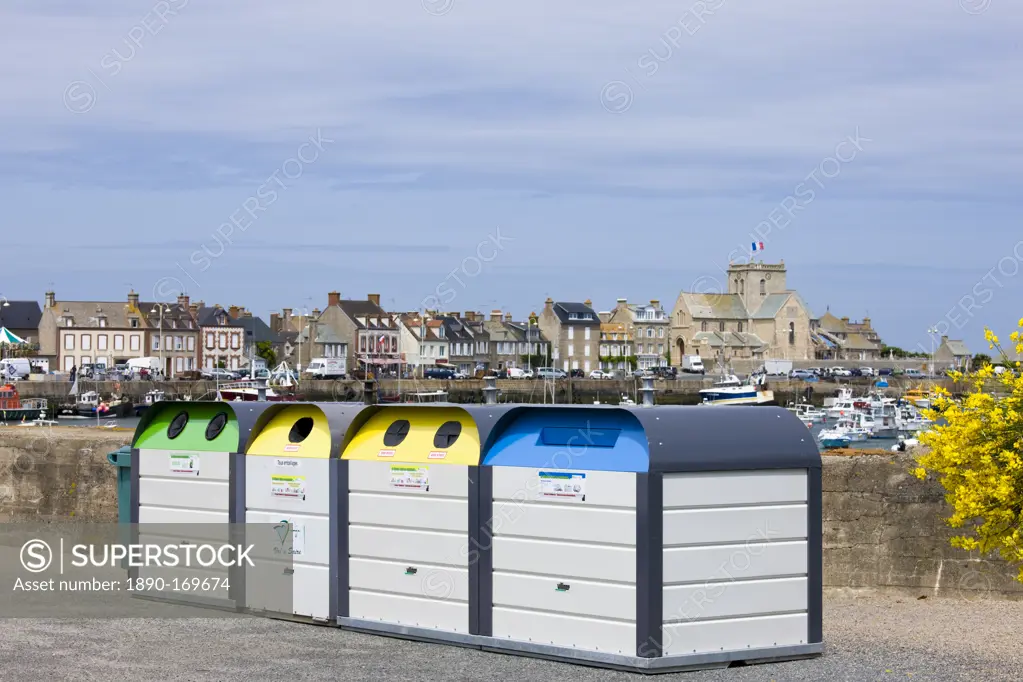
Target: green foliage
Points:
(265, 350)
(979, 360)
(888, 351)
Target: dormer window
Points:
(134, 323)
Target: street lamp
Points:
(932, 331)
(160, 308)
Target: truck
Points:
(693, 364)
(777, 368)
(326, 368)
(151, 365)
(14, 368)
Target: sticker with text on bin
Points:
(410, 477)
(292, 448)
(437, 455)
(289, 487)
(563, 485)
(385, 453)
(184, 463)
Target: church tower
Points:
(753, 282)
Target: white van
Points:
(152, 365)
(14, 368)
(692, 364)
(326, 368)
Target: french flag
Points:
(758, 246)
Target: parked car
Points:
(551, 373)
(868, 371)
(458, 374)
(914, 373)
(438, 373)
(219, 374)
(640, 373)
(601, 374)
(856, 372)
(803, 374)
(884, 372)
(840, 372)
(577, 374)
(665, 372)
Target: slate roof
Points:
(20, 314)
(179, 315)
(957, 347)
(727, 306)
(88, 313)
(256, 330)
(360, 308)
(770, 306)
(563, 309)
(858, 342)
(729, 339)
(211, 316)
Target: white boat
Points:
(843, 433)
(808, 413)
(247, 390)
(842, 407)
(731, 391)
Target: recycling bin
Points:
(186, 460)
(121, 458)
(650, 538)
(412, 496)
(291, 482)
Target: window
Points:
(134, 323)
(191, 343)
(178, 343)
(575, 364)
(179, 364)
(742, 287)
(86, 342)
(101, 342)
(650, 333)
(571, 333)
(102, 321)
(69, 342)
(586, 350)
(739, 327)
(69, 362)
(703, 326)
(571, 349)
(660, 333)
(222, 340)
(135, 342)
(586, 334)
(86, 359)
(763, 287)
(118, 341)
(586, 367)
(721, 326)
(189, 364)
(210, 343)
(235, 341)
(156, 342)
(660, 349)
(792, 333)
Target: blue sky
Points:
(610, 150)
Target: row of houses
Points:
(758, 318)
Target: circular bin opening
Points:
(216, 425)
(177, 425)
(446, 435)
(396, 433)
(300, 430)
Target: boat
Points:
(250, 390)
(918, 397)
(151, 397)
(731, 391)
(842, 407)
(13, 408)
(843, 433)
(90, 405)
(808, 413)
(427, 397)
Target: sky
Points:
(474, 155)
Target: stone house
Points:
(423, 342)
(461, 343)
(952, 354)
(840, 339)
(574, 331)
(759, 318)
(650, 329)
(616, 346)
(73, 333)
(223, 339)
(172, 334)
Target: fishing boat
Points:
(842, 407)
(251, 390)
(731, 391)
(13, 408)
(808, 413)
(918, 397)
(843, 433)
(91, 405)
(150, 399)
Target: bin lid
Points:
(439, 434)
(588, 438)
(206, 426)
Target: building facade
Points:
(573, 329)
(100, 333)
(650, 329)
(952, 354)
(223, 340)
(840, 339)
(617, 350)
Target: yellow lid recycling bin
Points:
(410, 474)
(291, 483)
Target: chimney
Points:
(845, 319)
(548, 304)
(287, 314)
(373, 298)
(470, 315)
(275, 322)
(133, 299)
(233, 312)
(944, 339)
(866, 322)
(655, 303)
(333, 299)
(507, 317)
(51, 299)
(247, 314)
(588, 303)
(495, 315)
(193, 308)
(183, 300)
(316, 312)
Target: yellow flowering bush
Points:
(977, 454)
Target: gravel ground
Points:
(866, 638)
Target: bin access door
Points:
(287, 485)
(408, 473)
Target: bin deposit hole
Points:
(396, 433)
(301, 430)
(177, 425)
(216, 425)
(446, 435)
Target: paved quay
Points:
(867, 638)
